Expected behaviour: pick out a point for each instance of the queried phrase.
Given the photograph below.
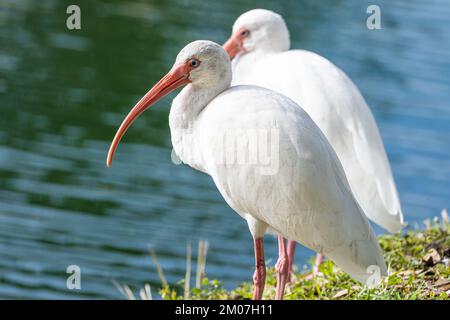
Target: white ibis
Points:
(299, 192)
(260, 46)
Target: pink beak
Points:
(235, 44)
(177, 77)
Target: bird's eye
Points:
(245, 33)
(194, 63)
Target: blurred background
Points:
(63, 94)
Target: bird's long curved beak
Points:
(177, 77)
(234, 45)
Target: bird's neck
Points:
(184, 115)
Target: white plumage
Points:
(307, 199)
(300, 192)
(331, 99)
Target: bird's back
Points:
(281, 170)
(338, 108)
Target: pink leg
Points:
(318, 262)
(291, 256)
(282, 268)
(259, 277)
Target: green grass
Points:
(418, 262)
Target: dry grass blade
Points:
(159, 269)
(201, 262)
(340, 293)
(445, 219)
(427, 223)
(146, 292)
(124, 290)
(187, 278)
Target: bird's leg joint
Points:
(282, 265)
(259, 276)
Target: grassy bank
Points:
(418, 260)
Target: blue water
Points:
(63, 94)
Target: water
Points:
(63, 93)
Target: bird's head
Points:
(258, 29)
(208, 62)
(201, 64)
